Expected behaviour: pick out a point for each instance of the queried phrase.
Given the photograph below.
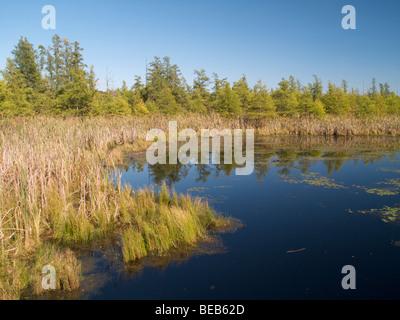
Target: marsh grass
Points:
(65, 263)
(56, 184)
(163, 222)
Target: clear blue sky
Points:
(265, 40)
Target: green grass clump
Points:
(163, 222)
(65, 263)
(14, 278)
(57, 186)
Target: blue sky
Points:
(265, 40)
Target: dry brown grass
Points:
(55, 173)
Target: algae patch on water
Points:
(392, 189)
(386, 213)
(314, 179)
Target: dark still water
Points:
(311, 206)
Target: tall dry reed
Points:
(55, 178)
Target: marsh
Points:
(306, 213)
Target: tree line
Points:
(55, 80)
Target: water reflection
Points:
(285, 153)
(289, 203)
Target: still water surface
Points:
(307, 211)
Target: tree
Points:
(373, 91)
(344, 86)
(316, 88)
(200, 97)
(165, 101)
(56, 63)
(227, 101)
(285, 98)
(5, 106)
(365, 106)
(75, 96)
(25, 60)
(25, 86)
(17, 94)
(385, 90)
(165, 87)
(134, 99)
(261, 101)
(202, 81)
(307, 105)
(335, 100)
(198, 103)
(393, 104)
(241, 88)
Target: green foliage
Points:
(285, 98)
(55, 80)
(227, 102)
(261, 101)
(335, 100)
(25, 61)
(242, 90)
(307, 105)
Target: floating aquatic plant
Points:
(387, 214)
(314, 179)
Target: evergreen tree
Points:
(308, 106)
(242, 90)
(335, 100)
(227, 101)
(285, 98)
(385, 90)
(261, 101)
(18, 95)
(25, 60)
(316, 88)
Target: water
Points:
(301, 209)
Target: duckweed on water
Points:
(314, 179)
(385, 169)
(381, 192)
(387, 214)
(393, 189)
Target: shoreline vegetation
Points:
(61, 137)
(56, 81)
(59, 187)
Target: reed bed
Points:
(56, 184)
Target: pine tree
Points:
(316, 88)
(285, 99)
(261, 102)
(25, 60)
(228, 101)
(307, 105)
(17, 93)
(241, 88)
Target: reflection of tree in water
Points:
(170, 173)
(333, 165)
(284, 153)
(203, 171)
